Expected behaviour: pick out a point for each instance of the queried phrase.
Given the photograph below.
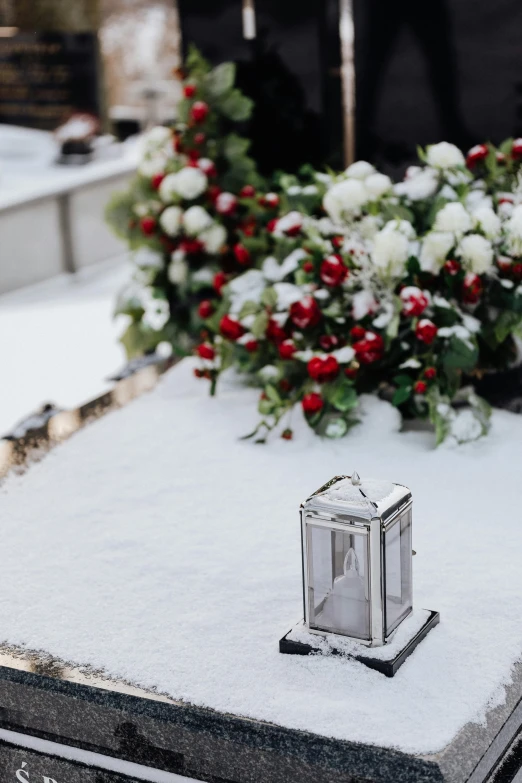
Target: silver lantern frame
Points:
(370, 519)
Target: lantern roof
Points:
(355, 497)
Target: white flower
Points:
(178, 269)
(363, 302)
(514, 231)
(344, 355)
(170, 220)
(359, 170)
(413, 363)
(213, 238)
(390, 252)
(453, 217)
(156, 137)
(147, 258)
(269, 373)
(435, 248)
(486, 219)
(294, 190)
(344, 199)
(377, 185)
(477, 253)
(449, 193)
(419, 184)
(195, 220)
(275, 272)
(148, 167)
(444, 156)
(477, 198)
(247, 287)
(188, 183)
(310, 190)
(287, 294)
(369, 226)
(402, 226)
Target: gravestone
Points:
(291, 68)
(47, 76)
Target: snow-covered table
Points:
(150, 564)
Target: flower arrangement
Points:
(409, 290)
(190, 216)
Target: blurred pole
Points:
(346, 32)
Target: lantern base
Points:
(388, 667)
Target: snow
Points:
(347, 492)
(137, 771)
(59, 341)
(165, 551)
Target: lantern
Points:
(357, 564)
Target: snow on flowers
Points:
(408, 290)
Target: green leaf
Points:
(401, 394)
(507, 323)
(139, 338)
(342, 396)
(506, 147)
(249, 308)
(459, 355)
(272, 394)
(265, 407)
(235, 146)
(269, 297)
(402, 380)
(220, 79)
(258, 328)
(236, 106)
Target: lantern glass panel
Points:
(397, 553)
(338, 592)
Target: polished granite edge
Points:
(151, 714)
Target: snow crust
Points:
(158, 547)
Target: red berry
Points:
(504, 263)
(271, 225)
(231, 328)
(198, 373)
(205, 309)
(275, 333)
(333, 271)
(516, 149)
(206, 351)
(328, 341)
(199, 139)
(430, 373)
(148, 225)
(305, 313)
(285, 385)
(251, 346)
(189, 90)
(156, 180)
(471, 288)
(517, 270)
(193, 155)
(323, 369)
(219, 281)
(226, 203)
(414, 301)
(338, 242)
(357, 332)
(242, 254)
(287, 349)
(176, 143)
(312, 403)
(191, 246)
(426, 331)
(419, 387)
(501, 158)
(213, 192)
(287, 434)
(351, 372)
(269, 200)
(505, 200)
(476, 154)
(308, 267)
(199, 111)
(370, 349)
(247, 191)
(452, 267)
(207, 166)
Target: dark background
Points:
(425, 71)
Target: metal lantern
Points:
(357, 559)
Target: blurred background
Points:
(333, 81)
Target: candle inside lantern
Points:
(346, 605)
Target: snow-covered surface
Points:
(328, 642)
(59, 341)
(29, 177)
(157, 546)
(91, 759)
